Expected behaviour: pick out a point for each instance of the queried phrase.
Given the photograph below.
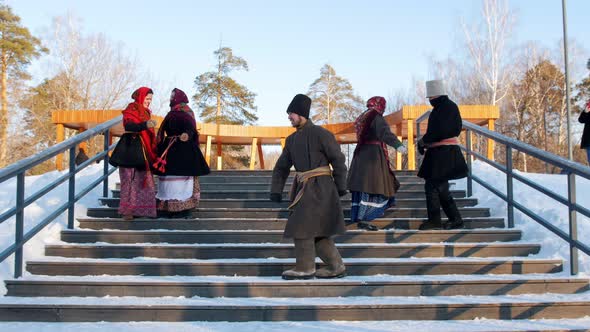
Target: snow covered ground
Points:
(332, 326)
(35, 212)
(552, 247)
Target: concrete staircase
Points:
(224, 264)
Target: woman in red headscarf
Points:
(370, 179)
(138, 191)
(180, 160)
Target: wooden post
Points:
(470, 133)
(59, 137)
(219, 158)
(491, 141)
(260, 156)
(253, 153)
(283, 143)
(208, 151)
(411, 146)
(398, 156)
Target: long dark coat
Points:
(369, 171)
(184, 158)
(318, 213)
(446, 162)
(585, 119)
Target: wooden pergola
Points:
(402, 123)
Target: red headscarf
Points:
(137, 113)
(376, 103)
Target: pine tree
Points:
(17, 48)
(38, 102)
(333, 98)
(220, 98)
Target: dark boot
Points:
(304, 260)
(450, 208)
(328, 253)
(432, 207)
(367, 226)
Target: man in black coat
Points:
(585, 119)
(316, 214)
(443, 160)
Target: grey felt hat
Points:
(435, 88)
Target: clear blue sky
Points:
(377, 45)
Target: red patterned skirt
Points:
(138, 193)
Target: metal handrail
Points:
(570, 167)
(19, 170)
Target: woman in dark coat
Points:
(585, 119)
(371, 179)
(138, 192)
(180, 159)
(443, 160)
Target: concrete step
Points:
(271, 287)
(468, 212)
(274, 267)
(231, 310)
(275, 236)
(264, 194)
(257, 224)
(268, 178)
(265, 203)
(269, 173)
(205, 251)
(238, 183)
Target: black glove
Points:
(276, 197)
(342, 192)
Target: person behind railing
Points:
(371, 180)
(180, 160)
(585, 119)
(443, 160)
(316, 214)
(138, 194)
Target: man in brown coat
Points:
(316, 214)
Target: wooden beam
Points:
(283, 142)
(411, 146)
(219, 156)
(59, 137)
(253, 153)
(208, 150)
(491, 147)
(260, 156)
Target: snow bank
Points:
(35, 212)
(551, 245)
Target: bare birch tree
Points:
(486, 41)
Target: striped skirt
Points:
(367, 207)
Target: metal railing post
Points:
(18, 231)
(105, 183)
(470, 173)
(72, 187)
(509, 187)
(573, 222)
